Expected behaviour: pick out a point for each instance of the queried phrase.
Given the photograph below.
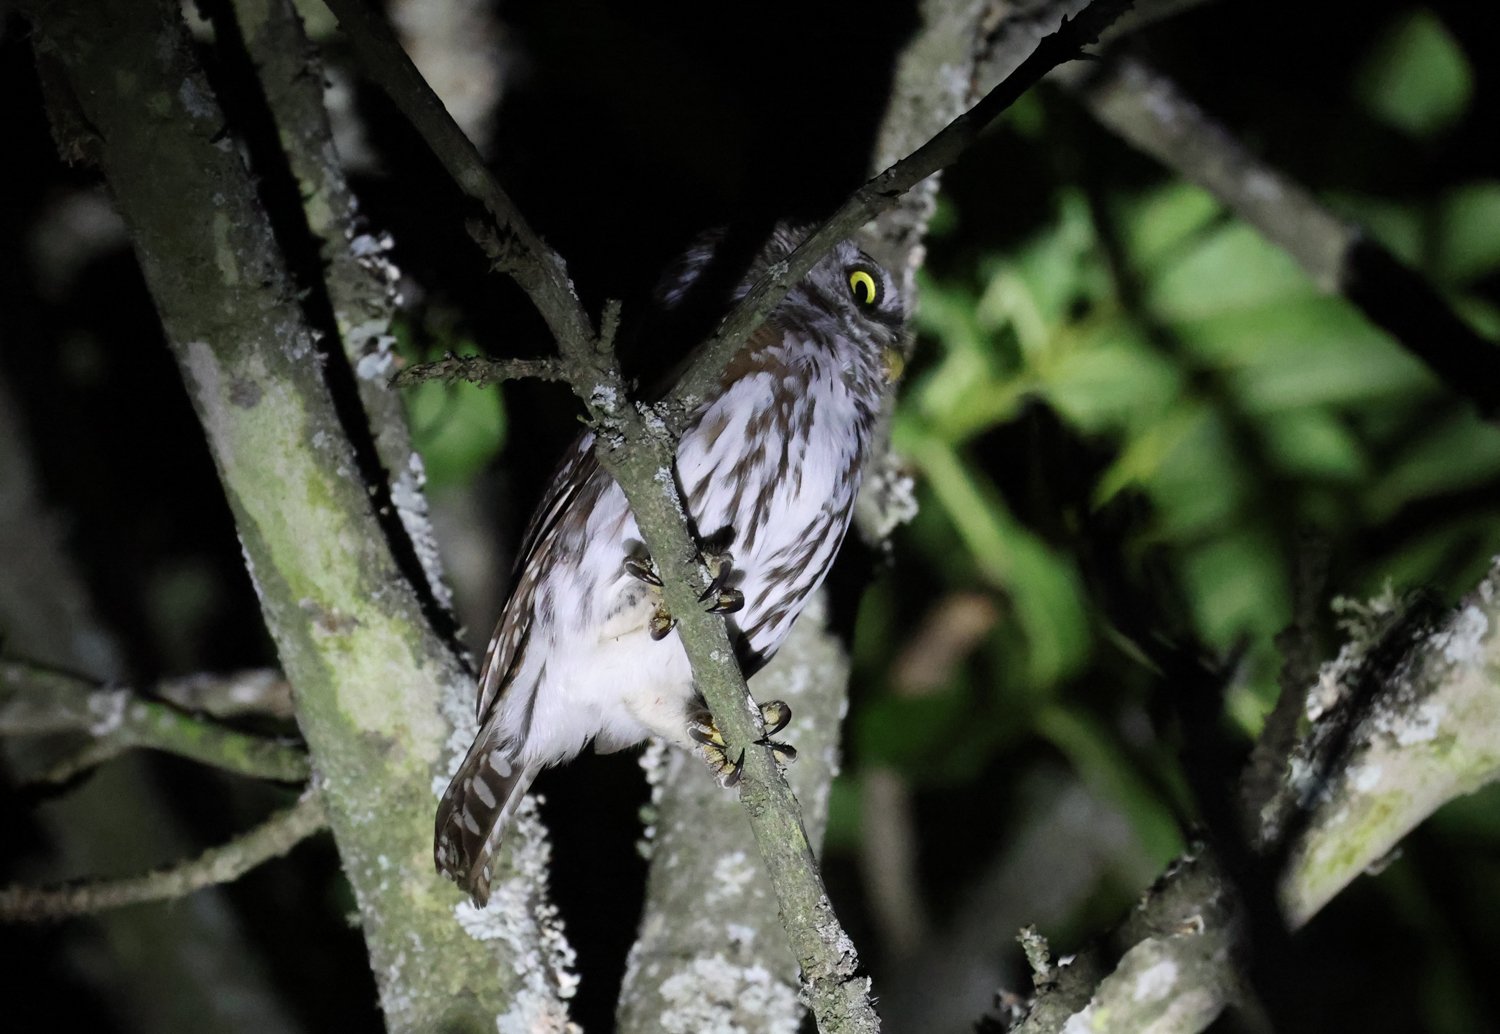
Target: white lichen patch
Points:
(655, 761)
(520, 916)
(733, 874)
(1366, 777)
(1423, 725)
(107, 707)
(887, 497)
(375, 364)
(411, 506)
(195, 102)
(715, 995)
(1462, 642)
(1155, 981)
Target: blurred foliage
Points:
(1131, 420)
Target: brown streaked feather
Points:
(507, 648)
(474, 813)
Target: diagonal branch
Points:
(271, 839)
(1149, 111)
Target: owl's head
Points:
(848, 300)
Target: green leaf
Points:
(1228, 270)
(1237, 587)
(1316, 445)
(457, 428)
(1111, 379)
(1468, 235)
(1416, 77)
(1451, 454)
(1156, 225)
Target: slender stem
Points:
(478, 369)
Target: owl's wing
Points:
(507, 649)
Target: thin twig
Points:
(271, 839)
(478, 369)
(35, 700)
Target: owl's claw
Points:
(720, 598)
(775, 713)
(643, 569)
(724, 601)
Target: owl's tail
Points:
(474, 812)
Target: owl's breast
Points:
(772, 469)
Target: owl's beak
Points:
(893, 363)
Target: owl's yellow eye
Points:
(864, 287)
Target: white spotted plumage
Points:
(770, 464)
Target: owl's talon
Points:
(776, 714)
(701, 727)
(727, 772)
(784, 753)
(662, 623)
(719, 596)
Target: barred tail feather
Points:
(476, 808)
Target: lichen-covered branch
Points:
(383, 702)
(1147, 109)
(252, 691)
(271, 839)
(1169, 969)
(1426, 731)
(519, 251)
(358, 274)
(37, 701)
(1431, 733)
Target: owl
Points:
(768, 466)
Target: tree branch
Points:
(1427, 732)
(711, 954)
(358, 275)
(271, 839)
(36, 701)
